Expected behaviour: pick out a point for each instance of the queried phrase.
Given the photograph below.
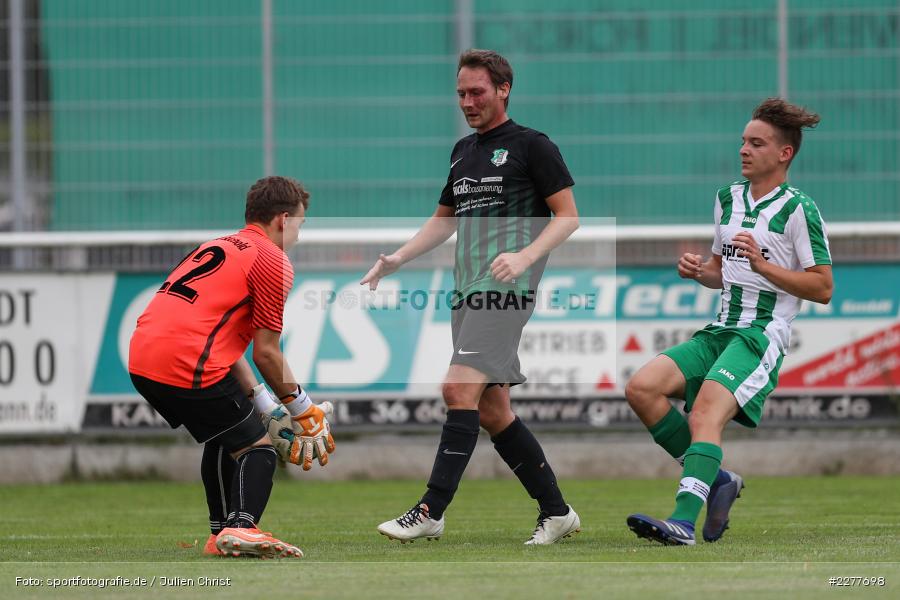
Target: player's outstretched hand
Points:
(313, 436)
(690, 266)
(384, 266)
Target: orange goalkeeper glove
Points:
(312, 436)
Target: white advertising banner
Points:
(50, 330)
(64, 343)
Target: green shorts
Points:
(743, 360)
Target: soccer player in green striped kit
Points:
(770, 252)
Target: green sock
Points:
(673, 434)
(701, 465)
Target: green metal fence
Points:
(157, 108)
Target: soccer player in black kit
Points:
(505, 182)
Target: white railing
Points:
(347, 235)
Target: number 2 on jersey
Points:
(180, 287)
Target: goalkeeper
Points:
(186, 360)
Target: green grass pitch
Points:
(788, 537)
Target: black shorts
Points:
(220, 413)
(486, 328)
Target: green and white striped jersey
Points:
(787, 226)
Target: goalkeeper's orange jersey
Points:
(203, 317)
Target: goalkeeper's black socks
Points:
(458, 440)
(216, 470)
(519, 449)
(251, 486)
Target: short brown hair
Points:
(498, 68)
(789, 119)
(271, 196)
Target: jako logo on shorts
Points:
(726, 374)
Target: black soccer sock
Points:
(519, 449)
(251, 486)
(458, 440)
(216, 470)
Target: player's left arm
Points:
(814, 283)
(269, 285)
(511, 265)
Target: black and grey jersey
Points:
(498, 185)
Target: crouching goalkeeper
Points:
(186, 360)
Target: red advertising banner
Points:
(872, 361)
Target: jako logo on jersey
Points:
(749, 219)
(500, 157)
(726, 374)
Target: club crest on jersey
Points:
(501, 155)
